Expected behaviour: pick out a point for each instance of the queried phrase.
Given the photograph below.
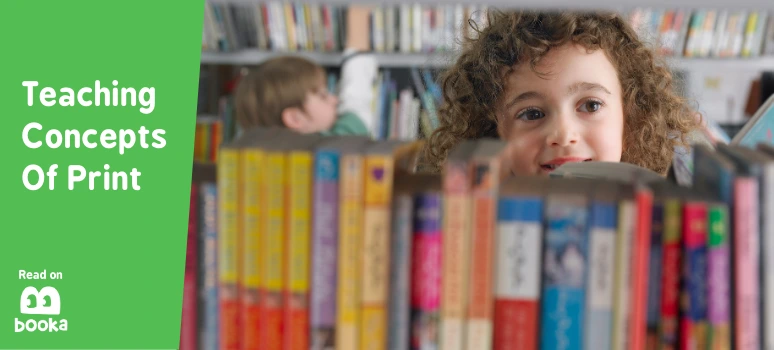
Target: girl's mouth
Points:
(555, 163)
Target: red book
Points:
(639, 268)
(188, 329)
(671, 272)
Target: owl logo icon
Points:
(43, 302)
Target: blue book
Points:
(209, 237)
(602, 247)
(759, 128)
(565, 261)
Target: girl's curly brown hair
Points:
(657, 118)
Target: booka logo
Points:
(43, 302)
(39, 305)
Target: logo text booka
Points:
(43, 302)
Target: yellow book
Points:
(752, 23)
(627, 211)
(309, 28)
(272, 247)
(299, 228)
(375, 251)
(228, 232)
(228, 207)
(251, 161)
(350, 236)
(290, 26)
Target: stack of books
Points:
(337, 243)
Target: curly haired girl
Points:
(562, 87)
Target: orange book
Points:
(350, 244)
(485, 184)
(358, 27)
(251, 162)
(457, 179)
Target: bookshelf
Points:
(214, 330)
(385, 60)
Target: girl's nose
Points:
(563, 132)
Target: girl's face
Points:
(572, 114)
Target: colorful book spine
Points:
(209, 232)
(272, 249)
(564, 273)
(325, 249)
(518, 254)
(654, 272)
(296, 304)
(639, 268)
(599, 316)
(252, 163)
(350, 245)
(401, 262)
(693, 328)
(746, 258)
(719, 278)
(375, 251)
(621, 299)
(671, 268)
(480, 299)
(189, 319)
(767, 233)
(229, 223)
(426, 272)
(454, 281)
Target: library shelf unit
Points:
(204, 172)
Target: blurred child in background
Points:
(291, 92)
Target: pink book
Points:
(188, 328)
(746, 237)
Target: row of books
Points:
(323, 243)
(276, 25)
(406, 113)
(295, 26)
(412, 28)
(706, 33)
(208, 137)
(283, 26)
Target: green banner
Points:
(98, 117)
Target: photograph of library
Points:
(505, 175)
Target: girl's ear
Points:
(293, 119)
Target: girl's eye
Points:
(591, 106)
(530, 114)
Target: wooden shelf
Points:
(386, 60)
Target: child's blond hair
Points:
(276, 84)
(656, 117)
